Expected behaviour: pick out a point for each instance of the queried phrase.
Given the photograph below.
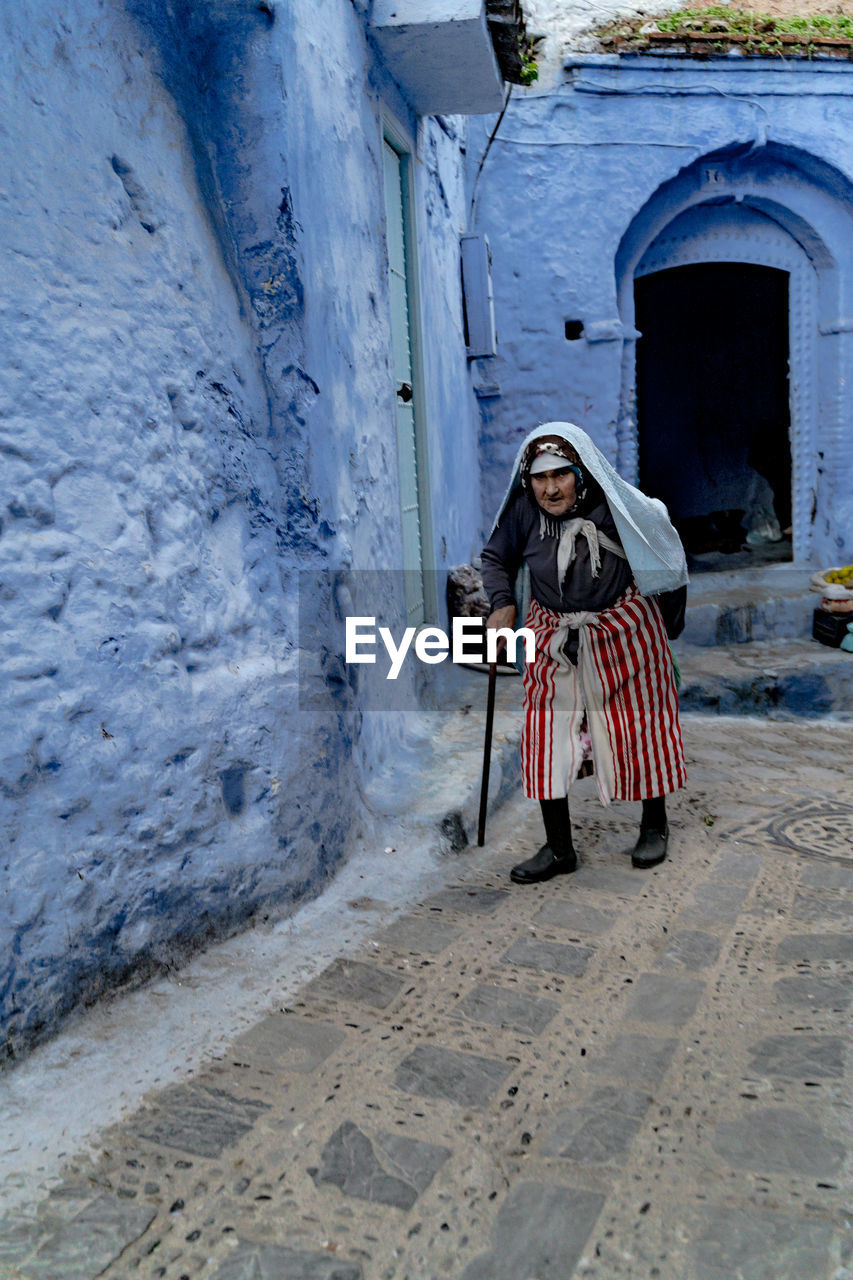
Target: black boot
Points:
(650, 848)
(558, 856)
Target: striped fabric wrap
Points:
(624, 684)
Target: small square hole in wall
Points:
(574, 330)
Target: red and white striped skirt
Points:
(625, 687)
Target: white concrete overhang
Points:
(441, 54)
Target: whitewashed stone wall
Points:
(564, 26)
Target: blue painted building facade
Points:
(630, 173)
(200, 415)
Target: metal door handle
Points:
(404, 392)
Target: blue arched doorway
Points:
(783, 212)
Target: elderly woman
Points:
(593, 565)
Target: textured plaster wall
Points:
(563, 194)
(196, 406)
(339, 207)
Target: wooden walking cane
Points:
(487, 753)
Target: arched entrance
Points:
(770, 207)
(713, 415)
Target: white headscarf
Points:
(651, 544)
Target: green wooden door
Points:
(396, 221)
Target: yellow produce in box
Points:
(843, 577)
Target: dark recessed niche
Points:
(574, 330)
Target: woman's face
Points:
(555, 491)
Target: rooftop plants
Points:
(720, 29)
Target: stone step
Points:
(749, 605)
(779, 679)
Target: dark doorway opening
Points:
(713, 409)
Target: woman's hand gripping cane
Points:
(504, 617)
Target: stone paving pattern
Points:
(617, 1074)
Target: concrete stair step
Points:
(781, 679)
(749, 605)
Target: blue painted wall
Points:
(197, 406)
(586, 178)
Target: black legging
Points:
(558, 824)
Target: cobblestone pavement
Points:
(615, 1074)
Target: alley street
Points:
(615, 1074)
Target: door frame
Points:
(401, 141)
